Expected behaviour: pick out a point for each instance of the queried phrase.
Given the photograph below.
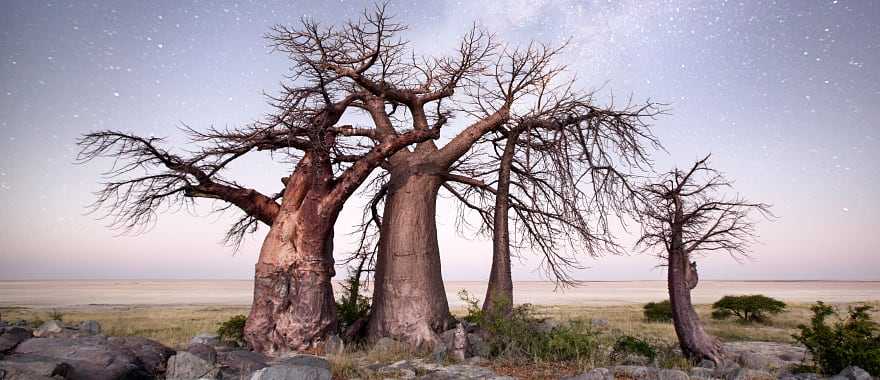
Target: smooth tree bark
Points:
(499, 292)
(684, 214)
(409, 301)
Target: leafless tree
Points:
(293, 307)
(685, 214)
(563, 169)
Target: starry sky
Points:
(785, 94)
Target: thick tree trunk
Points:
(499, 293)
(293, 307)
(409, 300)
(694, 341)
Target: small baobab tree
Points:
(685, 214)
(293, 306)
(557, 172)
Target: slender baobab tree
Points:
(563, 170)
(293, 306)
(685, 215)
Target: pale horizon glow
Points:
(784, 95)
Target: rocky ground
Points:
(59, 351)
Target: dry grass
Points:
(175, 325)
(170, 325)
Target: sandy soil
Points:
(239, 292)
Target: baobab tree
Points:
(293, 306)
(685, 214)
(564, 169)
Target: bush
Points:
(748, 308)
(658, 311)
(629, 345)
(351, 305)
(232, 331)
(852, 342)
(521, 335)
(56, 315)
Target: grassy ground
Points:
(175, 325)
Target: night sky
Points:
(786, 95)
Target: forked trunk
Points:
(499, 293)
(293, 307)
(694, 341)
(409, 300)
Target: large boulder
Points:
(748, 374)
(852, 373)
(12, 336)
(303, 367)
(151, 354)
(32, 367)
(187, 366)
(240, 364)
(91, 357)
(672, 374)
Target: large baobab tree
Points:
(293, 306)
(480, 86)
(685, 214)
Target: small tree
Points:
(748, 308)
(854, 341)
(684, 214)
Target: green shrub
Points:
(853, 341)
(658, 311)
(748, 308)
(519, 335)
(629, 345)
(232, 331)
(351, 305)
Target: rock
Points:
(459, 343)
(599, 323)
(702, 373)
(32, 367)
(853, 373)
(385, 345)
(547, 325)
(765, 355)
(476, 360)
(754, 361)
(187, 366)
(593, 374)
(49, 328)
(334, 345)
(91, 357)
(12, 336)
(748, 374)
(240, 364)
(203, 351)
(439, 352)
(636, 360)
(401, 369)
(90, 327)
(465, 372)
(802, 376)
(477, 346)
(303, 367)
(672, 374)
(151, 354)
(209, 339)
(635, 372)
(706, 363)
